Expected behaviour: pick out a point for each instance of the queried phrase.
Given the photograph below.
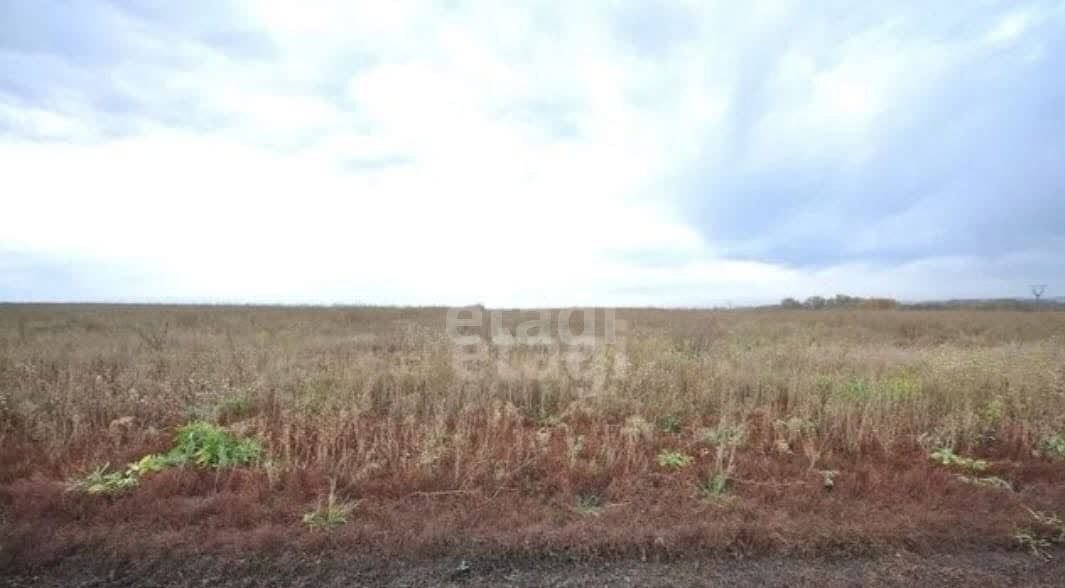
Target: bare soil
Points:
(967, 568)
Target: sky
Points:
(665, 153)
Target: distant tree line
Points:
(840, 301)
(991, 304)
(857, 302)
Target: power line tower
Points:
(1037, 291)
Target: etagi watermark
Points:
(583, 344)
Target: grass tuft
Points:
(331, 513)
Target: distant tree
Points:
(879, 303)
(843, 300)
(790, 303)
(815, 302)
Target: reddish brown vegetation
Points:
(878, 504)
(496, 467)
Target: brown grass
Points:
(369, 399)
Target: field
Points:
(136, 431)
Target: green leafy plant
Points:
(901, 387)
(713, 486)
(1052, 446)
(669, 424)
(100, 481)
(198, 443)
(726, 439)
(149, 464)
(725, 436)
(673, 460)
(992, 412)
(331, 513)
(946, 456)
(857, 390)
(208, 445)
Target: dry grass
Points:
(369, 398)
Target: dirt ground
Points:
(969, 568)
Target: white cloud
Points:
(407, 152)
(1009, 28)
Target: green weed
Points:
(100, 481)
(198, 443)
(900, 388)
(946, 456)
(669, 424)
(727, 436)
(673, 460)
(149, 464)
(726, 440)
(713, 486)
(207, 445)
(992, 412)
(857, 390)
(332, 513)
(1052, 446)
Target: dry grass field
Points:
(794, 433)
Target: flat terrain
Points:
(340, 446)
(330, 569)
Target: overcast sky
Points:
(521, 153)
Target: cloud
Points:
(897, 143)
(592, 153)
